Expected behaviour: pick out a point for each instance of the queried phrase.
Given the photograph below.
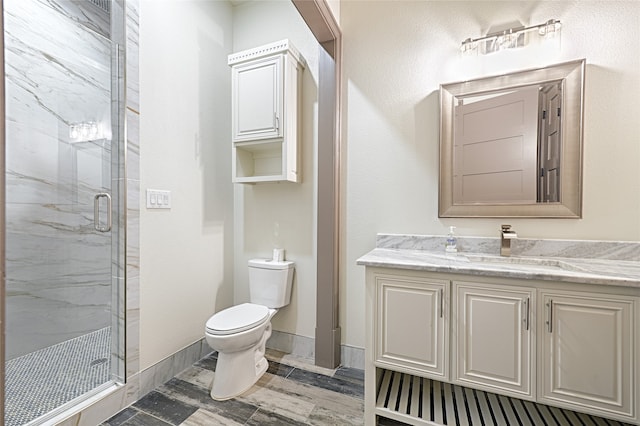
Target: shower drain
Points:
(98, 361)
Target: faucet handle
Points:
(508, 233)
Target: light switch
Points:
(158, 199)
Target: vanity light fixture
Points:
(509, 39)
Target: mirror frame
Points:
(570, 205)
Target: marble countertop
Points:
(617, 272)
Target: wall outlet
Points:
(158, 199)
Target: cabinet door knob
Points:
(550, 315)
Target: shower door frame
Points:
(2, 207)
(119, 182)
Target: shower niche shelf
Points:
(265, 99)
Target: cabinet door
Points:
(493, 347)
(411, 323)
(257, 88)
(587, 352)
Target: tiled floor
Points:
(41, 381)
(295, 392)
(291, 392)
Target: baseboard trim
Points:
(304, 347)
(150, 378)
(166, 369)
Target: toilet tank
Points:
(270, 282)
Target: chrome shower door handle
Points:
(96, 212)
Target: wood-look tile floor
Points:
(291, 392)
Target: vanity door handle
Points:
(527, 313)
(441, 303)
(550, 315)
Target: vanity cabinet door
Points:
(411, 323)
(257, 99)
(493, 345)
(587, 352)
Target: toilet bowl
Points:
(240, 333)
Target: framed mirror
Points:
(511, 145)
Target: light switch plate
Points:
(158, 199)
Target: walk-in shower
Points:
(64, 221)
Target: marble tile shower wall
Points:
(132, 117)
(58, 267)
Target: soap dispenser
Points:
(452, 242)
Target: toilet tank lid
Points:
(270, 264)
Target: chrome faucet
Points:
(506, 235)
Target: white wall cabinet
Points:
(587, 358)
(494, 346)
(265, 84)
(411, 325)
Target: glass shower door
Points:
(59, 162)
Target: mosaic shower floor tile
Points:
(41, 381)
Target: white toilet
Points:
(239, 333)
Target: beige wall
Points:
(188, 254)
(289, 208)
(186, 264)
(396, 54)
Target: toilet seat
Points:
(237, 319)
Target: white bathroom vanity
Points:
(447, 334)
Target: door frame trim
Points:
(320, 20)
